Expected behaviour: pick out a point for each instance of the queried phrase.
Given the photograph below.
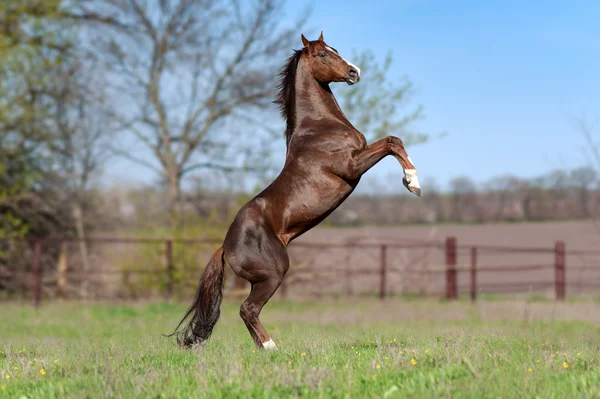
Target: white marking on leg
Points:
(269, 344)
(413, 181)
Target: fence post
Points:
(473, 274)
(170, 268)
(37, 271)
(382, 271)
(451, 268)
(559, 269)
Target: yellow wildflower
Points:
(7, 377)
(426, 350)
(537, 361)
(253, 350)
(56, 361)
(530, 369)
(290, 362)
(387, 358)
(374, 377)
(578, 354)
(43, 372)
(566, 365)
(413, 362)
(378, 367)
(3, 387)
(16, 368)
(303, 354)
(42, 361)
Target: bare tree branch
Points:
(222, 55)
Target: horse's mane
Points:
(287, 77)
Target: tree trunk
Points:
(585, 207)
(62, 271)
(83, 250)
(174, 200)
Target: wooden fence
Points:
(553, 263)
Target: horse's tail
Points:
(205, 311)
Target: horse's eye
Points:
(323, 54)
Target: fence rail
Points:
(458, 261)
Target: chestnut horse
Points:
(326, 157)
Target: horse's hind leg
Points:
(250, 310)
(257, 255)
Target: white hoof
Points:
(269, 345)
(411, 181)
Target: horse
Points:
(325, 159)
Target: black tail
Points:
(205, 310)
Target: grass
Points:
(361, 349)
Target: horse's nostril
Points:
(352, 72)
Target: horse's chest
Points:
(355, 140)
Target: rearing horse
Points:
(326, 157)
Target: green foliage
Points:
(31, 44)
(376, 105)
(118, 351)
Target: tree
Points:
(505, 191)
(556, 184)
(583, 179)
(30, 46)
(586, 128)
(80, 143)
(187, 69)
(464, 196)
(374, 106)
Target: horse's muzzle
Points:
(352, 76)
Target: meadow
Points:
(363, 348)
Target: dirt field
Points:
(420, 270)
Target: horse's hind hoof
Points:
(269, 345)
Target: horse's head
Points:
(326, 64)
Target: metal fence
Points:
(125, 268)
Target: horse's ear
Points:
(305, 41)
(321, 36)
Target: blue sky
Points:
(503, 79)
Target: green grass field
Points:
(364, 349)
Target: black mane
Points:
(287, 76)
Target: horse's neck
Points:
(314, 100)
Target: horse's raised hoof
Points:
(411, 182)
(416, 191)
(269, 345)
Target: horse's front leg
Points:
(363, 160)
